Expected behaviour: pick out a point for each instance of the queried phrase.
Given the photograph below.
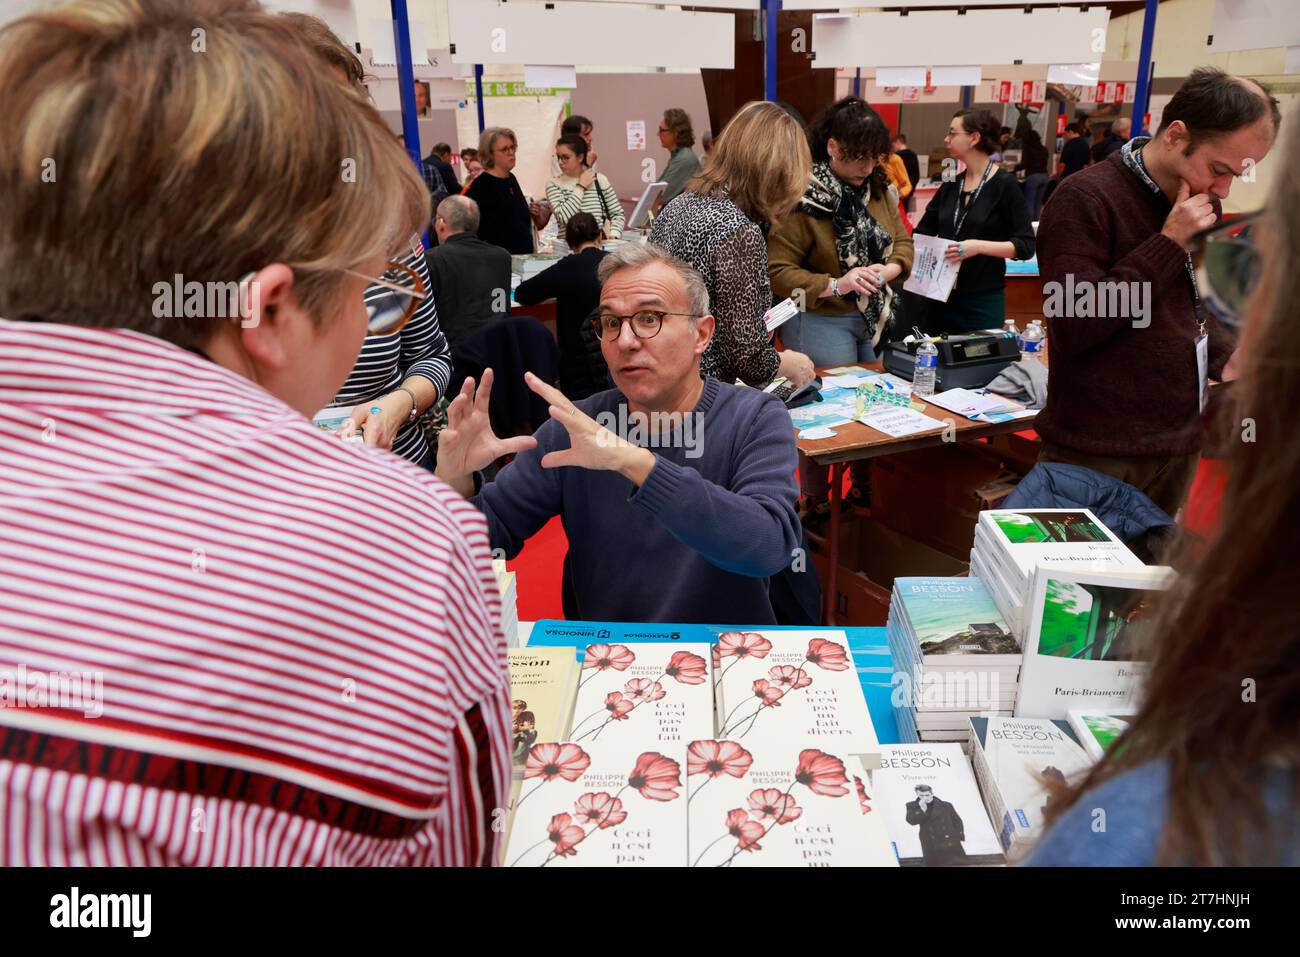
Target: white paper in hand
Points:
(932, 276)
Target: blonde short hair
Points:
(152, 138)
(487, 142)
(760, 162)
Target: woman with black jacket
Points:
(984, 211)
(572, 283)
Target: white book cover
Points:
(932, 806)
(795, 687)
(1004, 574)
(1084, 633)
(1098, 729)
(1056, 538)
(599, 808)
(781, 806)
(1020, 756)
(646, 696)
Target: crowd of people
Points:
(171, 517)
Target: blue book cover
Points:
(955, 616)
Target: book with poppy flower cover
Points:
(795, 688)
(543, 683)
(781, 806)
(1015, 759)
(647, 696)
(932, 807)
(606, 807)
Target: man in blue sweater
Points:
(677, 492)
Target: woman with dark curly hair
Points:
(838, 251)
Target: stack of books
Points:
(509, 603)
(955, 656)
(932, 807)
(1011, 543)
(1017, 763)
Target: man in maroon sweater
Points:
(1123, 314)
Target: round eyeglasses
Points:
(645, 323)
(391, 299)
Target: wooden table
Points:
(856, 442)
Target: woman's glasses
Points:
(1228, 267)
(391, 299)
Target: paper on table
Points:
(897, 383)
(932, 275)
(897, 422)
(968, 403)
(846, 381)
(817, 432)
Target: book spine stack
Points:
(509, 603)
(1013, 843)
(935, 695)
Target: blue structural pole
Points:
(1142, 99)
(967, 97)
(857, 82)
(771, 8)
(478, 95)
(406, 80)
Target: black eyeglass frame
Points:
(598, 321)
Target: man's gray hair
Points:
(641, 255)
(460, 213)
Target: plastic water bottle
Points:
(1042, 342)
(1009, 329)
(1031, 341)
(927, 364)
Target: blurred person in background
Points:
(719, 226)
(677, 137)
(579, 188)
(507, 218)
(838, 250)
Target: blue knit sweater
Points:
(695, 543)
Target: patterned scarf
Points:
(859, 239)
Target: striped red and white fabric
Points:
(298, 639)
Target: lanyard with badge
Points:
(1133, 159)
(957, 211)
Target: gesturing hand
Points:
(591, 445)
(468, 443)
(1189, 216)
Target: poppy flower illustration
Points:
(768, 693)
(618, 706)
(769, 804)
(789, 677)
(551, 761)
(655, 777)
(827, 655)
(604, 657)
(688, 668)
(745, 831)
(743, 644)
(599, 808)
(641, 690)
(863, 798)
(565, 835)
(716, 758)
(821, 773)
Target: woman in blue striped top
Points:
(402, 374)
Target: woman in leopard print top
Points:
(758, 172)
